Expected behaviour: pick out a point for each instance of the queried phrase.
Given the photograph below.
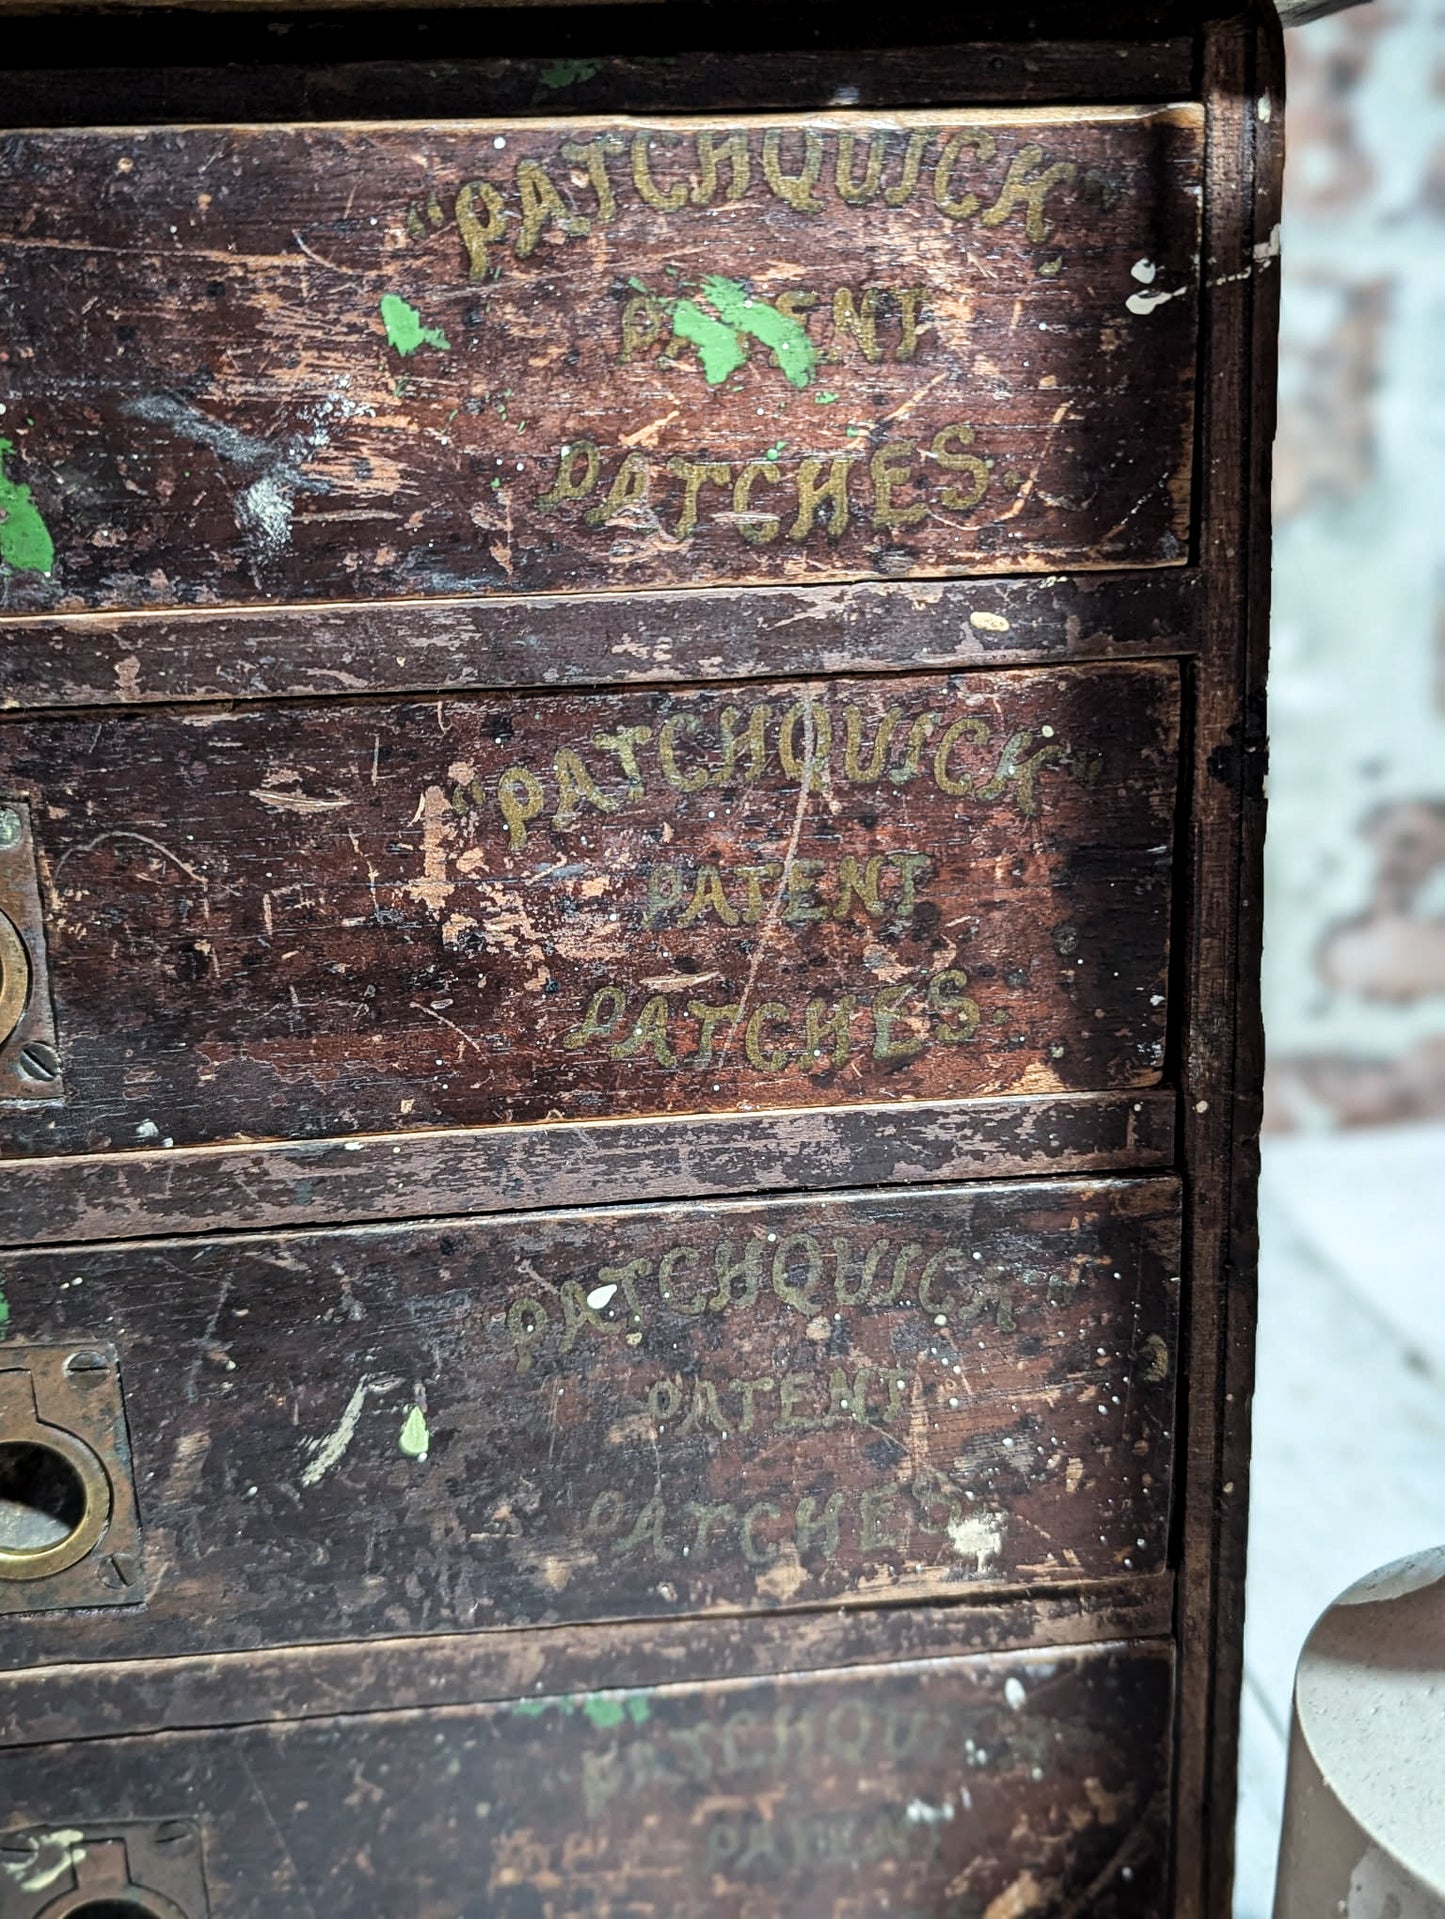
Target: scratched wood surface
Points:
(942, 1789)
(626, 1413)
(296, 922)
(337, 363)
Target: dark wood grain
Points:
(1222, 1038)
(318, 364)
(292, 922)
(949, 1787)
(516, 1168)
(359, 69)
(630, 1413)
(763, 632)
(104, 1699)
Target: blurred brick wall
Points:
(1355, 914)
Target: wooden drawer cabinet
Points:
(630, 775)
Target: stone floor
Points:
(1349, 1416)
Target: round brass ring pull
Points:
(50, 1481)
(133, 1902)
(14, 977)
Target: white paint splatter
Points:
(977, 1536)
(919, 1813)
(330, 1450)
(1144, 271)
(35, 1876)
(601, 1296)
(1156, 297)
(264, 513)
(989, 622)
(1014, 1694)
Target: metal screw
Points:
(91, 1363)
(39, 1061)
(12, 828)
(19, 1851)
(116, 1571)
(177, 1833)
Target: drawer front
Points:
(630, 1413)
(315, 920)
(1023, 1783)
(330, 363)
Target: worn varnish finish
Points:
(613, 1414)
(327, 364)
(302, 920)
(1030, 1783)
(265, 750)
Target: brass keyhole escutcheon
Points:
(55, 1500)
(14, 977)
(137, 1905)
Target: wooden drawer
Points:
(621, 1414)
(1012, 1782)
(333, 920)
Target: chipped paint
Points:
(33, 1876)
(330, 1450)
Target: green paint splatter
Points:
(25, 541)
(415, 1440)
(718, 346)
(605, 1711)
(4, 1314)
(825, 399)
(534, 1708)
(786, 336)
(568, 73)
(404, 329)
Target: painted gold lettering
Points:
(1020, 769)
(793, 1389)
(823, 1024)
(939, 1506)
(802, 1298)
(521, 799)
(854, 767)
(752, 740)
(891, 468)
(832, 493)
(956, 1015)
(708, 897)
(746, 1270)
(797, 189)
(704, 1411)
(817, 726)
(946, 442)
(912, 867)
(527, 1321)
(758, 1552)
(848, 1398)
(643, 320)
(855, 323)
(755, 878)
(650, 1030)
(863, 886)
(673, 1262)
(695, 475)
(902, 189)
(624, 743)
(812, 1524)
(747, 1391)
(878, 1512)
(647, 1530)
(966, 729)
(888, 1014)
(910, 304)
(985, 146)
(542, 205)
(667, 738)
(759, 529)
(710, 1018)
(629, 488)
(592, 154)
(576, 788)
(569, 483)
(709, 1519)
(1024, 187)
(913, 753)
(852, 191)
(767, 1059)
(664, 1401)
(662, 200)
(605, 1011)
(479, 228)
(801, 880)
(847, 1290)
(713, 151)
(664, 893)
